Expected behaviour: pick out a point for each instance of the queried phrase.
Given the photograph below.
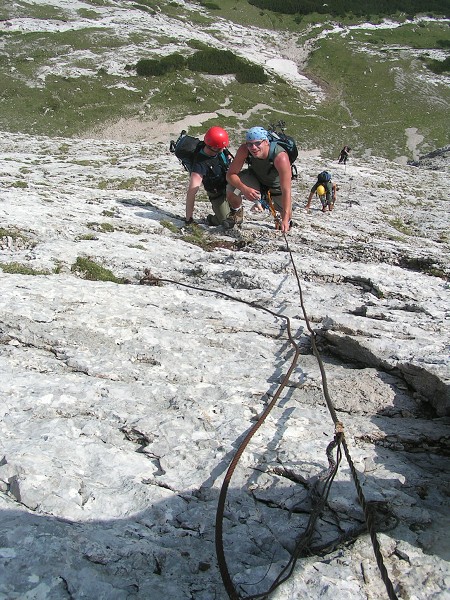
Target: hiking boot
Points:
(234, 218)
(212, 220)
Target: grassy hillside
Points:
(344, 8)
(377, 89)
(378, 83)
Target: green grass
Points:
(384, 99)
(143, 6)
(425, 35)
(87, 237)
(370, 98)
(19, 184)
(175, 96)
(110, 212)
(15, 268)
(400, 226)
(86, 13)
(137, 247)
(88, 269)
(245, 14)
(13, 233)
(199, 237)
(32, 10)
(64, 106)
(16, 234)
(170, 226)
(355, 7)
(212, 61)
(102, 227)
(193, 234)
(423, 265)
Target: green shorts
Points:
(249, 178)
(220, 206)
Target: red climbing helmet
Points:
(216, 137)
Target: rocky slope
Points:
(122, 404)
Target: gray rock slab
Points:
(122, 405)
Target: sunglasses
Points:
(257, 144)
(214, 149)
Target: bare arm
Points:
(283, 166)
(194, 184)
(311, 193)
(233, 174)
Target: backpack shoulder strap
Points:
(272, 150)
(228, 154)
(197, 151)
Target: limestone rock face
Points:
(124, 401)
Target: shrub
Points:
(146, 67)
(223, 62)
(173, 62)
(439, 66)
(155, 67)
(213, 61)
(248, 73)
(206, 60)
(197, 45)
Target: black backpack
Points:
(279, 138)
(324, 177)
(186, 149)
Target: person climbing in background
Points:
(209, 167)
(325, 189)
(264, 174)
(343, 156)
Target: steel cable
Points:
(339, 439)
(340, 429)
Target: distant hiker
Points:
(343, 156)
(269, 169)
(325, 189)
(207, 162)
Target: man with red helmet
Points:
(210, 168)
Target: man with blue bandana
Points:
(268, 170)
